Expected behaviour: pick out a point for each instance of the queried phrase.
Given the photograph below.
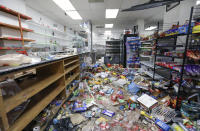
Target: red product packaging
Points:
(114, 97)
(177, 68)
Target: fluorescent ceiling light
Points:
(67, 6)
(74, 15)
(151, 28)
(198, 2)
(111, 13)
(108, 25)
(107, 32)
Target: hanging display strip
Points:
(132, 49)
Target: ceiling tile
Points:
(80, 4)
(96, 12)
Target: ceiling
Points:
(95, 12)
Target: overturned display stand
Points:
(48, 80)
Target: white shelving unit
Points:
(46, 27)
(51, 36)
(149, 56)
(146, 47)
(150, 74)
(146, 43)
(148, 64)
(48, 36)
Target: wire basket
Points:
(190, 109)
(163, 113)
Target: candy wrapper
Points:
(108, 113)
(79, 107)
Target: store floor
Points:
(102, 102)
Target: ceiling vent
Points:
(99, 26)
(95, 1)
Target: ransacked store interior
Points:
(99, 65)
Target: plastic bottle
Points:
(176, 127)
(182, 126)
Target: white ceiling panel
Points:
(96, 13)
(81, 4)
(113, 4)
(97, 6)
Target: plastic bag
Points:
(191, 109)
(9, 88)
(15, 113)
(133, 88)
(120, 82)
(14, 59)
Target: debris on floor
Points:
(111, 98)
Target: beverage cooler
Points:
(131, 44)
(132, 52)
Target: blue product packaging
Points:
(162, 125)
(110, 91)
(108, 113)
(78, 108)
(183, 29)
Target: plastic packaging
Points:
(133, 88)
(108, 113)
(9, 88)
(14, 60)
(182, 126)
(162, 125)
(176, 127)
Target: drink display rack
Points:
(146, 59)
(132, 52)
(178, 62)
(145, 51)
(113, 51)
(20, 16)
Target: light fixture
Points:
(108, 25)
(198, 2)
(107, 32)
(74, 15)
(67, 6)
(111, 13)
(151, 28)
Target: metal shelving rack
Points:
(113, 51)
(173, 45)
(146, 61)
(145, 46)
(184, 59)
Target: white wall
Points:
(43, 20)
(179, 14)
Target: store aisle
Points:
(109, 99)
